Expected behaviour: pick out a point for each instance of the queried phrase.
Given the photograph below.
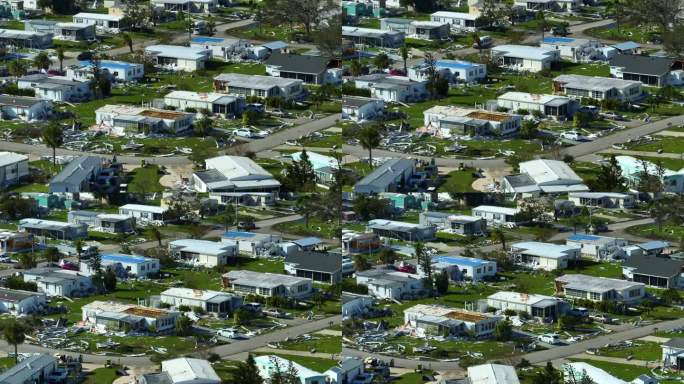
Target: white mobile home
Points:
(178, 58)
(524, 58)
(19, 302)
(602, 199)
(146, 214)
(60, 282)
(267, 284)
(13, 168)
(599, 88)
(544, 256)
(556, 106)
(258, 85)
(252, 243)
(24, 108)
(138, 266)
(203, 252)
(538, 306)
(598, 247)
(599, 289)
(215, 103)
(458, 21)
(497, 215)
(215, 302)
(130, 120)
(103, 22)
(438, 320)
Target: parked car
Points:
(246, 225)
(254, 307)
(549, 338)
(407, 268)
(230, 333)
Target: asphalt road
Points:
(602, 143)
(292, 133)
(237, 351)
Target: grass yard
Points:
(672, 164)
(101, 376)
(33, 187)
(326, 141)
(586, 170)
(195, 279)
(489, 349)
(410, 378)
(316, 227)
(665, 144)
(639, 35)
(671, 232)
(225, 369)
(459, 181)
(145, 180)
(260, 265)
(6, 362)
(647, 351)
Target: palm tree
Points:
(404, 52)
(500, 236)
(128, 40)
(211, 26)
(53, 138)
(42, 61)
(477, 42)
(369, 138)
(60, 57)
(381, 61)
(542, 23)
(14, 334)
(155, 234)
(356, 68)
(79, 249)
(16, 68)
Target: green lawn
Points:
(637, 34)
(410, 378)
(459, 181)
(671, 232)
(145, 180)
(672, 164)
(101, 376)
(586, 170)
(646, 351)
(315, 227)
(34, 187)
(665, 144)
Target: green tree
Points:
(203, 126)
(42, 61)
(499, 235)
(27, 260)
(14, 334)
(127, 40)
(387, 256)
(51, 254)
(155, 234)
(356, 68)
(60, 56)
(370, 207)
(109, 280)
(183, 326)
(16, 68)
(78, 244)
(381, 61)
(404, 52)
(369, 138)
(361, 263)
(247, 372)
(503, 331)
(442, 282)
(610, 177)
(53, 137)
(670, 295)
(211, 25)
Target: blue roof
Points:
(128, 259)
(273, 45)
(308, 241)
(583, 238)
(652, 245)
(626, 45)
(206, 39)
(110, 64)
(454, 64)
(236, 234)
(461, 261)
